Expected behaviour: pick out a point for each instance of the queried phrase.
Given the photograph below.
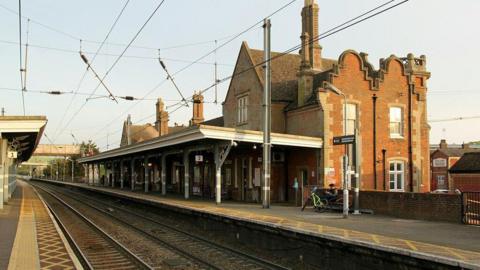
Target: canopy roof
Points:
(202, 132)
(23, 133)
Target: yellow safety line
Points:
(375, 238)
(410, 245)
(452, 251)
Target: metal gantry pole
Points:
(267, 117)
(345, 161)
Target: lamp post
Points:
(337, 91)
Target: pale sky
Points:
(445, 31)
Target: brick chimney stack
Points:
(161, 124)
(311, 52)
(443, 144)
(310, 27)
(197, 110)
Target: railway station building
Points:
(221, 158)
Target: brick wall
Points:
(425, 206)
(466, 182)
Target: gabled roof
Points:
(468, 163)
(284, 73)
(455, 152)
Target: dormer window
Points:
(242, 110)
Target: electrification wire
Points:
(234, 37)
(321, 36)
(115, 62)
(77, 38)
(460, 118)
(86, 70)
(113, 55)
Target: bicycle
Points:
(319, 204)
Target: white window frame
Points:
(242, 110)
(397, 121)
(395, 175)
(351, 117)
(441, 178)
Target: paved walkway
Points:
(446, 242)
(33, 239)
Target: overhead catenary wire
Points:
(117, 18)
(231, 39)
(77, 38)
(115, 62)
(65, 50)
(330, 32)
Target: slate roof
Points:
(284, 74)
(455, 152)
(140, 133)
(217, 122)
(468, 163)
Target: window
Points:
(396, 122)
(439, 162)
(351, 118)
(441, 180)
(242, 109)
(397, 175)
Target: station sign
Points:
(349, 139)
(198, 158)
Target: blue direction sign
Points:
(349, 139)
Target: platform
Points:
(30, 237)
(449, 243)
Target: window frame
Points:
(242, 109)
(396, 173)
(348, 119)
(400, 123)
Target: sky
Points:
(444, 31)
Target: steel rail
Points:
(257, 260)
(138, 262)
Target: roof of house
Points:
(455, 152)
(284, 73)
(468, 163)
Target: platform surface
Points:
(29, 236)
(450, 243)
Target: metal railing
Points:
(471, 208)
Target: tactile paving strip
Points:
(51, 249)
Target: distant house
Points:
(466, 172)
(443, 157)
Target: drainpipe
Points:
(410, 150)
(384, 151)
(374, 99)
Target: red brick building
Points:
(442, 159)
(386, 106)
(466, 173)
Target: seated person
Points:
(330, 194)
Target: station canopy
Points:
(23, 134)
(204, 134)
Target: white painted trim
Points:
(208, 132)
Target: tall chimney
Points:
(161, 124)
(310, 26)
(128, 129)
(443, 144)
(197, 117)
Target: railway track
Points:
(96, 249)
(208, 253)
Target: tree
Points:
(88, 148)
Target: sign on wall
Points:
(12, 154)
(439, 162)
